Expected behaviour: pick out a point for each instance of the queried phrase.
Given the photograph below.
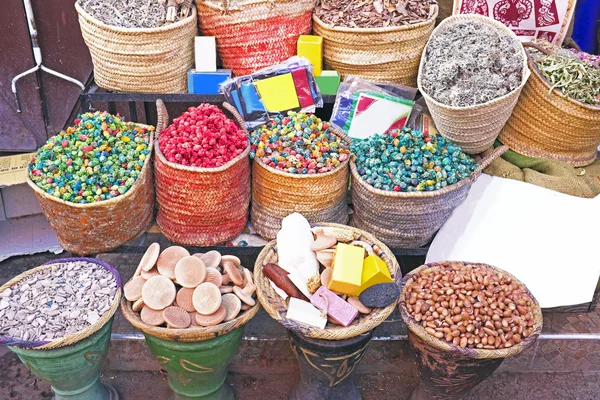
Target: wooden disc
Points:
(168, 259)
(211, 259)
(247, 276)
(325, 257)
(176, 317)
(199, 255)
(232, 304)
(158, 292)
(190, 272)
(193, 318)
(232, 259)
(133, 289)
(152, 317)
(323, 242)
(213, 276)
(226, 289)
(138, 305)
(245, 307)
(234, 273)
(244, 295)
(150, 256)
(206, 298)
(326, 277)
(184, 299)
(149, 274)
(213, 319)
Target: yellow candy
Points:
(89, 170)
(430, 183)
(261, 145)
(396, 141)
(142, 157)
(402, 149)
(140, 147)
(125, 139)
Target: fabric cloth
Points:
(585, 29)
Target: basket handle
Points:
(487, 160)
(236, 115)
(162, 119)
(339, 133)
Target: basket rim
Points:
(419, 331)
(119, 29)
(487, 21)
(203, 170)
(275, 171)
(114, 200)
(342, 29)
(238, 7)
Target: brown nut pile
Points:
(470, 306)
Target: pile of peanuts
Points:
(470, 306)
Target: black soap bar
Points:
(380, 295)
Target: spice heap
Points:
(471, 63)
(97, 159)
(204, 137)
(137, 13)
(298, 143)
(56, 302)
(591, 59)
(176, 289)
(408, 161)
(373, 14)
(470, 306)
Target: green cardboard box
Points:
(328, 82)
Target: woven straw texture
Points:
(377, 54)
(103, 226)
(143, 60)
(466, 352)
(409, 219)
(551, 125)
(76, 337)
(473, 128)
(254, 34)
(202, 206)
(277, 307)
(318, 197)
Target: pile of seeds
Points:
(176, 289)
(132, 13)
(373, 14)
(471, 63)
(59, 301)
(470, 306)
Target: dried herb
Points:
(129, 13)
(591, 59)
(471, 63)
(373, 13)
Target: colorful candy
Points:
(409, 161)
(97, 159)
(298, 143)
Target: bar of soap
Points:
(347, 269)
(205, 50)
(340, 311)
(328, 82)
(375, 271)
(304, 312)
(311, 47)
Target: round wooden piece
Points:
(168, 259)
(247, 277)
(199, 255)
(234, 273)
(138, 305)
(211, 259)
(244, 295)
(206, 298)
(245, 307)
(323, 242)
(226, 289)
(213, 276)
(149, 274)
(232, 259)
(150, 256)
(184, 299)
(213, 319)
(354, 301)
(133, 289)
(158, 292)
(325, 257)
(152, 317)
(193, 318)
(190, 272)
(232, 304)
(326, 277)
(176, 317)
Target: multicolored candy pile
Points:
(97, 159)
(409, 161)
(298, 143)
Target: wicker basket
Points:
(202, 206)
(144, 60)
(253, 34)
(277, 307)
(102, 226)
(473, 128)
(75, 337)
(377, 54)
(409, 219)
(550, 125)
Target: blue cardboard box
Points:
(207, 82)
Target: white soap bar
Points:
(293, 246)
(299, 280)
(205, 50)
(304, 312)
(278, 291)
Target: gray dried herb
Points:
(129, 13)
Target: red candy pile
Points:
(202, 137)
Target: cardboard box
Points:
(311, 47)
(205, 52)
(207, 82)
(328, 82)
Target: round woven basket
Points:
(547, 124)
(377, 54)
(143, 60)
(105, 225)
(409, 219)
(254, 34)
(473, 128)
(467, 352)
(75, 337)
(277, 307)
(202, 206)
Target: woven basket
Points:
(277, 307)
(202, 206)
(254, 34)
(409, 219)
(105, 225)
(318, 197)
(75, 337)
(551, 125)
(473, 128)
(376, 54)
(467, 352)
(144, 60)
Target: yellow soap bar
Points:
(374, 271)
(311, 47)
(347, 269)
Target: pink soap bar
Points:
(338, 310)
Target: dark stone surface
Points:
(380, 295)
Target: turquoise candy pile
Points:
(97, 159)
(410, 161)
(298, 143)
